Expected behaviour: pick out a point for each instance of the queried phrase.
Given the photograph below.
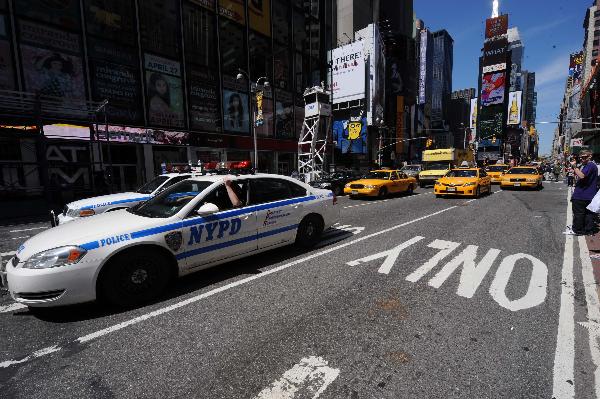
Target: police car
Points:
(129, 256)
(105, 203)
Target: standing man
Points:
(585, 188)
(556, 169)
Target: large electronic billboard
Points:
(348, 66)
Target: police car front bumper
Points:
(57, 286)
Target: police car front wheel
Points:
(309, 231)
(134, 277)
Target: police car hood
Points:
(87, 230)
(110, 199)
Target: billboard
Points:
(164, 91)
(491, 121)
(576, 67)
(204, 99)
(496, 26)
(492, 88)
(45, 36)
(350, 135)
(495, 52)
(348, 65)
(422, 66)
(514, 107)
(473, 114)
(236, 117)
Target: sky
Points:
(550, 30)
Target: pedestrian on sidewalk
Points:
(570, 176)
(586, 175)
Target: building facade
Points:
(112, 90)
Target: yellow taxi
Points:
(464, 181)
(496, 171)
(380, 183)
(522, 177)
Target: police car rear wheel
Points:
(309, 231)
(134, 277)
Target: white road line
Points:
(194, 299)
(19, 238)
(12, 307)
(31, 229)
(307, 379)
(564, 357)
(386, 200)
(593, 308)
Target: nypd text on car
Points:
(129, 256)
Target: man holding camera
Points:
(586, 175)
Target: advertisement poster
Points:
(165, 99)
(260, 17)
(496, 26)
(63, 13)
(473, 114)
(236, 117)
(492, 89)
(52, 73)
(162, 65)
(351, 135)
(112, 19)
(233, 9)
(514, 107)
(495, 52)
(348, 73)
(422, 66)
(265, 129)
(284, 113)
(125, 134)
(121, 86)
(45, 36)
(400, 136)
(7, 73)
(491, 121)
(204, 107)
(576, 67)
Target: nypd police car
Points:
(105, 203)
(129, 256)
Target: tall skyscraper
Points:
(441, 88)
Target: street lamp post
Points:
(260, 82)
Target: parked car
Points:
(335, 181)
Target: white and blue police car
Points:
(112, 202)
(129, 256)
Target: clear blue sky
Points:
(550, 30)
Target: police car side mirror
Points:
(207, 209)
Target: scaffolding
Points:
(312, 145)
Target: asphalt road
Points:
(412, 297)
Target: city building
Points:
(441, 87)
(459, 114)
(168, 72)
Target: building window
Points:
(283, 67)
(282, 27)
(159, 26)
(594, 53)
(596, 14)
(300, 37)
(597, 33)
(200, 36)
(597, 22)
(596, 42)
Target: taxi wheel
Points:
(478, 192)
(382, 193)
(134, 277)
(309, 231)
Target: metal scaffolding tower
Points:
(312, 146)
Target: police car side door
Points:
(224, 234)
(279, 206)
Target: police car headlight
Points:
(55, 257)
(86, 212)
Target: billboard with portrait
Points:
(7, 72)
(473, 114)
(63, 13)
(260, 16)
(348, 72)
(233, 10)
(493, 86)
(52, 73)
(496, 26)
(350, 135)
(164, 91)
(236, 117)
(514, 107)
(576, 67)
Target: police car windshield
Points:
(152, 185)
(462, 173)
(171, 200)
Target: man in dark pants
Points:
(585, 189)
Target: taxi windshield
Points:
(152, 185)
(411, 168)
(522, 171)
(462, 173)
(171, 200)
(377, 175)
(496, 168)
(435, 166)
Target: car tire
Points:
(478, 192)
(309, 231)
(382, 193)
(411, 189)
(134, 277)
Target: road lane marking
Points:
(12, 307)
(593, 308)
(39, 353)
(196, 298)
(19, 238)
(386, 200)
(31, 229)
(307, 379)
(445, 247)
(391, 255)
(564, 356)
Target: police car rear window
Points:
(152, 185)
(171, 200)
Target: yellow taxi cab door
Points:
(396, 183)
